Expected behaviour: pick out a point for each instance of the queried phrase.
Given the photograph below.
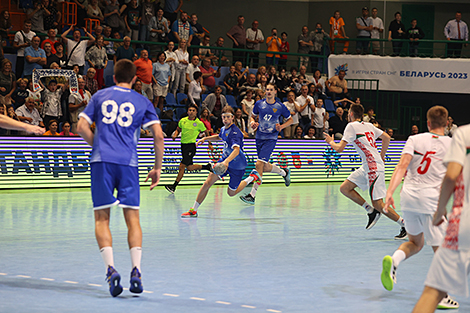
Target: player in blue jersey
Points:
(233, 158)
(270, 112)
(119, 112)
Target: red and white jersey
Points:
(426, 169)
(458, 231)
(362, 136)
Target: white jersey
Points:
(458, 231)
(362, 136)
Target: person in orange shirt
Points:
(337, 31)
(53, 125)
(274, 44)
(144, 72)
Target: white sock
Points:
(249, 179)
(136, 256)
(398, 256)
(107, 255)
(276, 169)
(254, 190)
(368, 207)
(196, 205)
(401, 222)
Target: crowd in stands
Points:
(167, 70)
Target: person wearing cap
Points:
(364, 28)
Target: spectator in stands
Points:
(414, 130)
(91, 83)
(36, 15)
(262, 71)
(318, 39)
(195, 89)
(76, 48)
(303, 71)
(390, 133)
(11, 114)
(338, 86)
(172, 7)
(27, 113)
(137, 87)
(240, 122)
(161, 76)
(238, 35)
(298, 132)
(337, 31)
(107, 34)
(19, 96)
(247, 105)
(338, 123)
(450, 128)
(231, 82)
(181, 29)
(22, 40)
(249, 84)
(282, 84)
(7, 82)
(77, 103)
(414, 34)
(274, 43)
(117, 44)
(284, 48)
(59, 57)
(263, 83)
(149, 8)
(52, 39)
(310, 133)
(198, 30)
(396, 30)
(220, 54)
(52, 127)
(242, 76)
(35, 58)
(125, 51)
(48, 51)
(132, 17)
(320, 86)
(5, 27)
(206, 52)
(208, 74)
(192, 68)
(306, 107)
(205, 118)
(81, 12)
(159, 29)
(254, 36)
(271, 75)
(369, 114)
(51, 94)
(364, 28)
(66, 130)
(94, 11)
(456, 30)
(377, 29)
(36, 95)
(305, 42)
(98, 59)
(2, 55)
(98, 30)
(112, 15)
(293, 108)
(144, 72)
(52, 21)
(214, 102)
(319, 119)
(181, 64)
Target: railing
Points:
(91, 23)
(69, 14)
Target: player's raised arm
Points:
(154, 174)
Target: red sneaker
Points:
(190, 213)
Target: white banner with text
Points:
(405, 73)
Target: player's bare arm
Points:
(233, 155)
(254, 125)
(209, 138)
(83, 129)
(9, 123)
(338, 147)
(397, 177)
(280, 127)
(154, 174)
(448, 185)
(385, 143)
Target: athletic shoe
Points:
(136, 282)
(211, 167)
(113, 278)
(389, 271)
(190, 213)
(287, 177)
(402, 235)
(170, 188)
(448, 303)
(257, 177)
(248, 199)
(373, 219)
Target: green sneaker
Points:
(388, 276)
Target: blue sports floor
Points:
(299, 249)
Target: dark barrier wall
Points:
(39, 162)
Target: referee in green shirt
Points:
(190, 127)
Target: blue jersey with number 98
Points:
(118, 114)
(269, 116)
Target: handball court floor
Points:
(299, 249)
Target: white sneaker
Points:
(448, 303)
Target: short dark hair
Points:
(196, 75)
(52, 121)
(124, 71)
(283, 33)
(52, 81)
(160, 53)
(27, 21)
(293, 68)
(357, 110)
(398, 12)
(192, 106)
(58, 43)
(342, 71)
(437, 116)
(414, 20)
(240, 16)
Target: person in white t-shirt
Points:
(293, 108)
(377, 29)
(421, 165)
(319, 119)
(306, 107)
(450, 266)
(371, 175)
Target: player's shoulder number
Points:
(122, 113)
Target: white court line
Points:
(3, 274)
(198, 299)
(48, 279)
(70, 282)
(125, 288)
(95, 285)
(274, 311)
(23, 276)
(145, 291)
(248, 306)
(170, 295)
(223, 302)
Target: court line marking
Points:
(223, 302)
(198, 299)
(274, 311)
(248, 306)
(70, 282)
(125, 288)
(23, 276)
(170, 295)
(48, 279)
(3, 274)
(95, 285)
(146, 291)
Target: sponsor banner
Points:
(406, 73)
(43, 162)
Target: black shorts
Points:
(188, 151)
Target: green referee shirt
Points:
(190, 129)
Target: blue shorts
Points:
(264, 148)
(236, 176)
(105, 177)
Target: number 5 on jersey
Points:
(426, 159)
(123, 114)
